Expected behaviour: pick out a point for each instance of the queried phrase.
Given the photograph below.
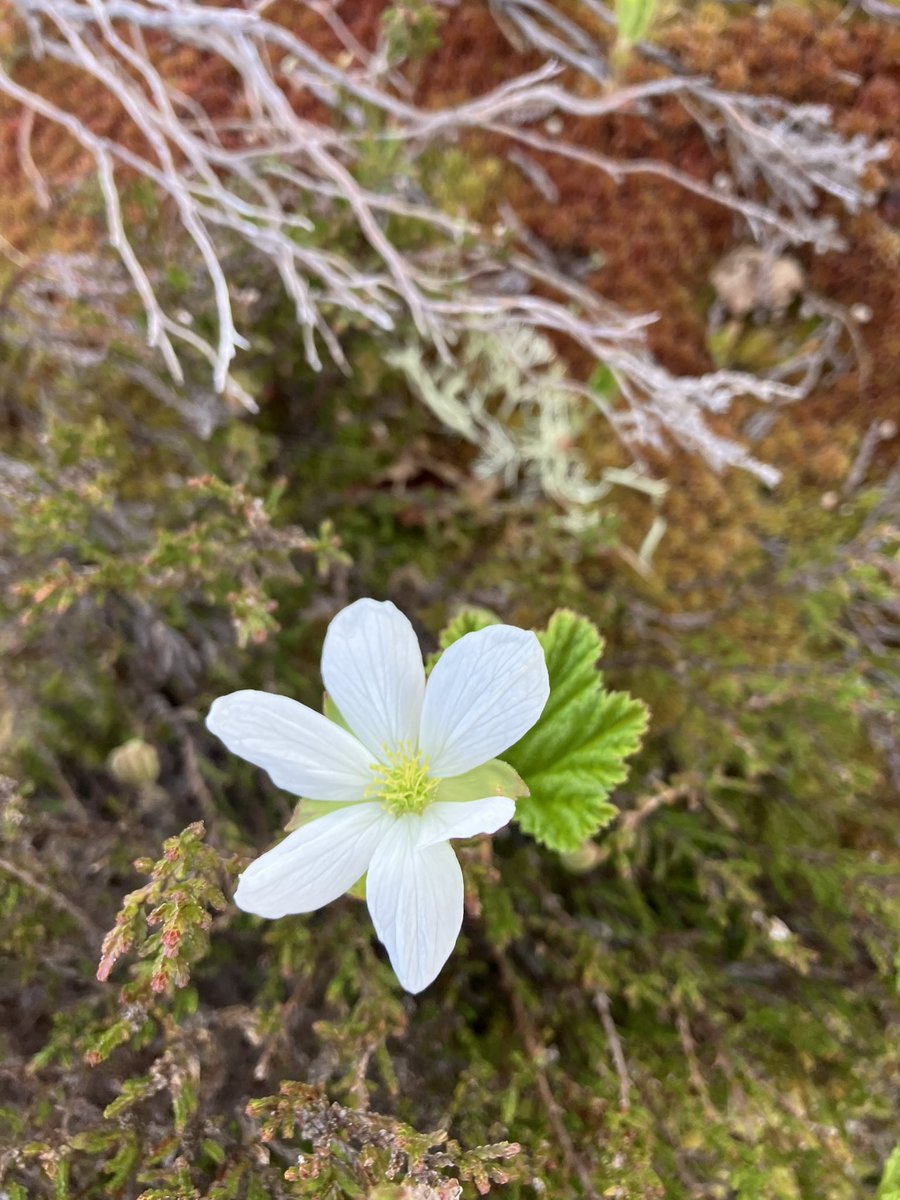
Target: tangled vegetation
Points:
(677, 980)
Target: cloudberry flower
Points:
(400, 751)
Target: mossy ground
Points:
(702, 1003)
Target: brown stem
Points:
(602, 1005)
(536, 1052)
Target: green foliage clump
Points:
(224, 547)
(351, 1150)
(183, 889)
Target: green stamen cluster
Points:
(402, 784)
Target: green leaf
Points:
(494, 778)
(889, 1188)
(333, 713)
(575, 755)
(633, 19)
(184, 1103)
(310, 810)
(213, 1151)
(132, 1092)
(603, 383)
(467, 620)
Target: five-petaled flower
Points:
(394, 765)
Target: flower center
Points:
(402, 784)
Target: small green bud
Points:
(135, 762)
(582, 860)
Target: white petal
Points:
(303, 751)
(415, 896)
(372, 668)
(448, 819)
(313, 865)
(485, 692)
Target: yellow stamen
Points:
(402, 784)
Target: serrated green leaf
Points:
(575, 755)
(467, 620)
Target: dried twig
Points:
(616, 1050)
(878, 432)
(688, 1045)
(535, 1050)
(683, 788)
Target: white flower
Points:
(408, 735)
